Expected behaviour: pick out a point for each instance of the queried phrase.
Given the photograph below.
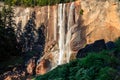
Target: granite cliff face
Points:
(69, 26)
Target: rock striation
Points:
(70, 26)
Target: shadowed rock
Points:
(97, 46)
(43, 67)
(110, 45)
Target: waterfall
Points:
(61, 34)
(64, 39)
(63, 20)
(71, 22)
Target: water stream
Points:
(64, 39)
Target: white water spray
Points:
(64, 40)
(69, 33)
(61, 34)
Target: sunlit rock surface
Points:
(67, 29)
(30, 67)
(43, 67)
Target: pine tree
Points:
(28, 37)
(4, 16)
(19, 30)
(41, 35)
(10, 30)
(10, 14)
(7, 34)
(1, 20)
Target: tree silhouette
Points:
(10, 18)
(19, 31)
(1, 21)
(4, 16)
(29, 34)
(7, 34)
(18, 36)
(41, 35)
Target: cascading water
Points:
(64, 39)
(71, 22)
(63, 16)
(61, 33)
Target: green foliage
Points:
(9, 53)
(35, 2)
(81, 12)
(106, 73)
(117, 49)
(13, 60)
(117, 42)
(85, 74)
(7, 34)
(95, 66)
(29, 34)
(100, 60)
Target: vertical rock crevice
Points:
(67, 30)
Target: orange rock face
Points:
(100, 20)
(8, 78)
(30, 67)
(43, 67)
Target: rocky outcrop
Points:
(43, 67)
(102, 19)
(95, 47)
(67, 29)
